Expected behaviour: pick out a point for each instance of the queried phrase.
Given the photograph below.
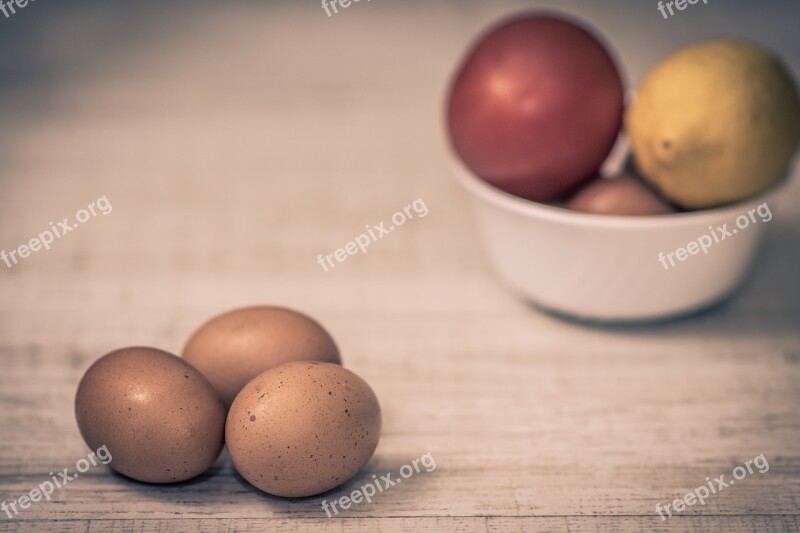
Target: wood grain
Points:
(238, 142)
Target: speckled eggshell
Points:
(233, 348)
(303, 428)
(160, 419)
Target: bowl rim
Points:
(532, 209)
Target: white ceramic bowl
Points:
(607, 268)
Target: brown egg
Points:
(625, 195)
(233, 348)
(303, 428)
(159, 418)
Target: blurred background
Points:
(237, 141)
(232, 139)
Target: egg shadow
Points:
(220, 484)
(214, 471)
(312, 506)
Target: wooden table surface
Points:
(238, 141)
